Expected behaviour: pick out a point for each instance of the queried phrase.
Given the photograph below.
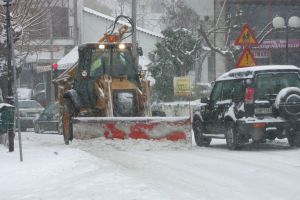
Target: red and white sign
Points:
(246, 37)
(247, 59)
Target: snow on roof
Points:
(248, 72)
(98, 14)
(24, 93)
(69, 59)
(72, 57)
(2, 105)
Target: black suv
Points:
(258, 103)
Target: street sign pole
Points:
(17, 113)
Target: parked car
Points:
(39, 94)
(258, 103)
(47, 120)
(29, 110)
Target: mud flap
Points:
(156, 128)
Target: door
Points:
(220, 104)
(213, 108)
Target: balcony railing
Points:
(58, 33)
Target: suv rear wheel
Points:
(232, 136)
(198, 133)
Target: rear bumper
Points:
(268, 122)
(267, 127)
(27, 122)
(48, 125)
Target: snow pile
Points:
(5, 105)
(102, 144)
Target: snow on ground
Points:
(106, 169)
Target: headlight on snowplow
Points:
(122, 46)
(84, 73)
(101, 46)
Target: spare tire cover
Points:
(288, 102)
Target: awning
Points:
(69, 59)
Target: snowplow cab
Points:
(111, 59)
(107, 82)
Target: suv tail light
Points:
(249, 95)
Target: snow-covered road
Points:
(101, 169)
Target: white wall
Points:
(95, 24)
(202, 7)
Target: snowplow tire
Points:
(198, 129)
(232, 136)
(67, 120)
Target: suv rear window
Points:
(269, 84)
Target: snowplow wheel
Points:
(232, 136)
(294, 139)
(67, 120)
(198, 133)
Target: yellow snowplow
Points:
(105, 95)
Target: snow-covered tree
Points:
(28, 19)
(174, 56)
(179, 51)
(178, 14)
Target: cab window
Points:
(227, 90)
(122, 64)
(99, 62)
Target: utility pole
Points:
(76, 35)
(50, 92)
(17, 113)
(9, 98)
(134, 40)
(12, 80)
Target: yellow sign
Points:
(246, 37)
(247, 59)
(182, 86)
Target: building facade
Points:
(57, 36)
(259, 14)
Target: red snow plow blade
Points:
(170, 128)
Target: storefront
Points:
(259, 14)
(275, 52)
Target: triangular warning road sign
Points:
(247, 59)
(246, 37)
